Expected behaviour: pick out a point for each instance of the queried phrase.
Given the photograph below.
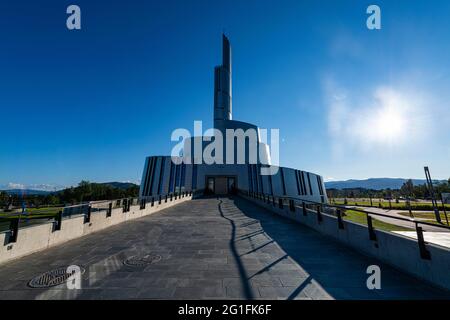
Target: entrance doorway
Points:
(210, 186)
(221, 185)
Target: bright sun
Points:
(390, 124)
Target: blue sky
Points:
(349, 102)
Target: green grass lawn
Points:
(359, 217)
(33, 213)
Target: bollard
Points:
(153, 201)
(159, 199)
(14, 227)
(87, 217)
(319, 215)
(304, 209)
(339, 218)
(109, 212)
(58, 220)
(291, 205)
(280, 203)
(165, 199)
(372, 234)
(424, 253)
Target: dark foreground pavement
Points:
(211, 248)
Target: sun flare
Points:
(390, 124)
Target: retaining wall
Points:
(42, 236)
(396, 250)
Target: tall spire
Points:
(226, 53)
(222, 87)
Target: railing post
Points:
(372, 234)
(319, 215)
(291, 205)
(124, 205)
(87, 217)
(304, 208)
(109, 212)
(58, 220)
(14, 227)
(153, 201)
(339, 218)
(424, 253)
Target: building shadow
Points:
(337, 269)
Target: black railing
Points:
(337, 211)
(11, 224)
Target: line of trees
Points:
(408, 189)
(85, 191)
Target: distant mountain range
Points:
(118, 185)
(374, 183)
(28, 192)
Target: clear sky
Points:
(349, 102)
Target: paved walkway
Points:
(211, 248)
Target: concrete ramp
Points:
(211, 248)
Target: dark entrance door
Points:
(210, 186)
(231, 184)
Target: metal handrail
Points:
(424, 252)
(358, 210)
(95, 207)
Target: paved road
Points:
(211, 248)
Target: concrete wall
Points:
(39, 237)
(396, 250)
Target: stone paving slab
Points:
(211, 248)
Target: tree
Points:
(407, 188)
(84, 190)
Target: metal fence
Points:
(13, 224)
(306, 207)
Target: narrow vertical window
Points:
(305, 192)
(270, 184)
(255, 176)
(282, 181)
(260, 178)
(182, 176)
(319, 183)
(176, 181)
(298, 183)
(161, 175)
(309, 183)
(171, 178)
(152, 179)
(194, 177)
(250, 177)
(148, 177)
